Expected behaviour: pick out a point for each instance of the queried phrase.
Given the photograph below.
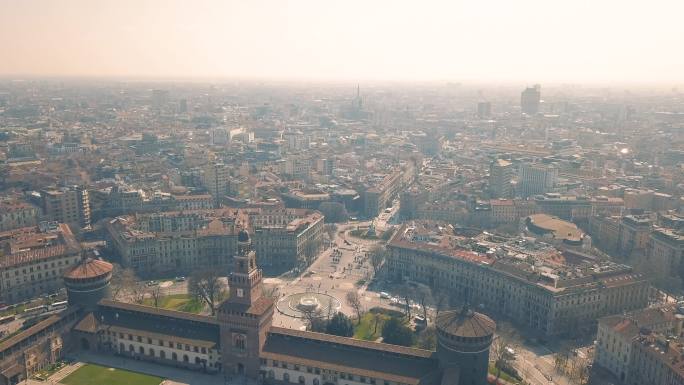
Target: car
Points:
(384, 295)
(180, 279)
(152, 283)
(510, 351)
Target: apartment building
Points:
(378, 195)
(193, 239)
(617, 333)
(500, 177)
(536, 286)
(666, 250)
(15, 214)
(70, 205)
(34, 260)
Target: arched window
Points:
(131, 348)
(185, 358)
(174, 356)
(122, 348)
(286, 377)
(151, 352)
(239, 341)
(301, 380)
(316, 382)
(162, 354)
(141, 350)
(197, 360)
(271, 374)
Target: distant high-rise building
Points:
(183, 106)
(484, 109)
(500, 175)
(159, 98)
(216, 179)
(70, 205)
(537, 179)
(529, 100)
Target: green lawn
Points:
(100, 375)
(503, 376)
(179, 302)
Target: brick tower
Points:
(245, 316)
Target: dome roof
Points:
(243, 236)
(465, 323)
(89, 268)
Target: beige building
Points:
(378, 195)
(166, 242)
(70, 205)
(500, 177)
(666, 250)
(34, 260)
(546, 290)
(617, 333)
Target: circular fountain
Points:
(299, 304)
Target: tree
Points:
(334, 212)
(207, 286)
(376, 321)
(377, 257)
(424, 297)
(340, 325)
(123, 281)
(330, 229)
(156, 295)
(500, 354)
(427, 339)
(395, 332)
(314, 320)
(405, 291)
(354, 301)
(441, 300)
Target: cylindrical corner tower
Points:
(88, 282)
(463, 341)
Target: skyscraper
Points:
(537, 179)
(484, 109)
(529, 100)
(500, 175)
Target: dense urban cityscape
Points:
(357, 193)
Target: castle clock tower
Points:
(245, 316)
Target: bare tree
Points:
(378, 254)
(441, 300)
(354, 301)
(405, 291)
(314, 320)
(330, 229)
(156, 295)
(424, 297)
(207, 286)
(500, 354)
(122, 282)
(137, 292)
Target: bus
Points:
(58, 305)
(35, 310)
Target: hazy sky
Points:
(516, 40)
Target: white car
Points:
(384, 295)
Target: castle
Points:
(240, 342)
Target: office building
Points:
(530, 99)
(70, 205)
(500, 177)
(536, 179)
